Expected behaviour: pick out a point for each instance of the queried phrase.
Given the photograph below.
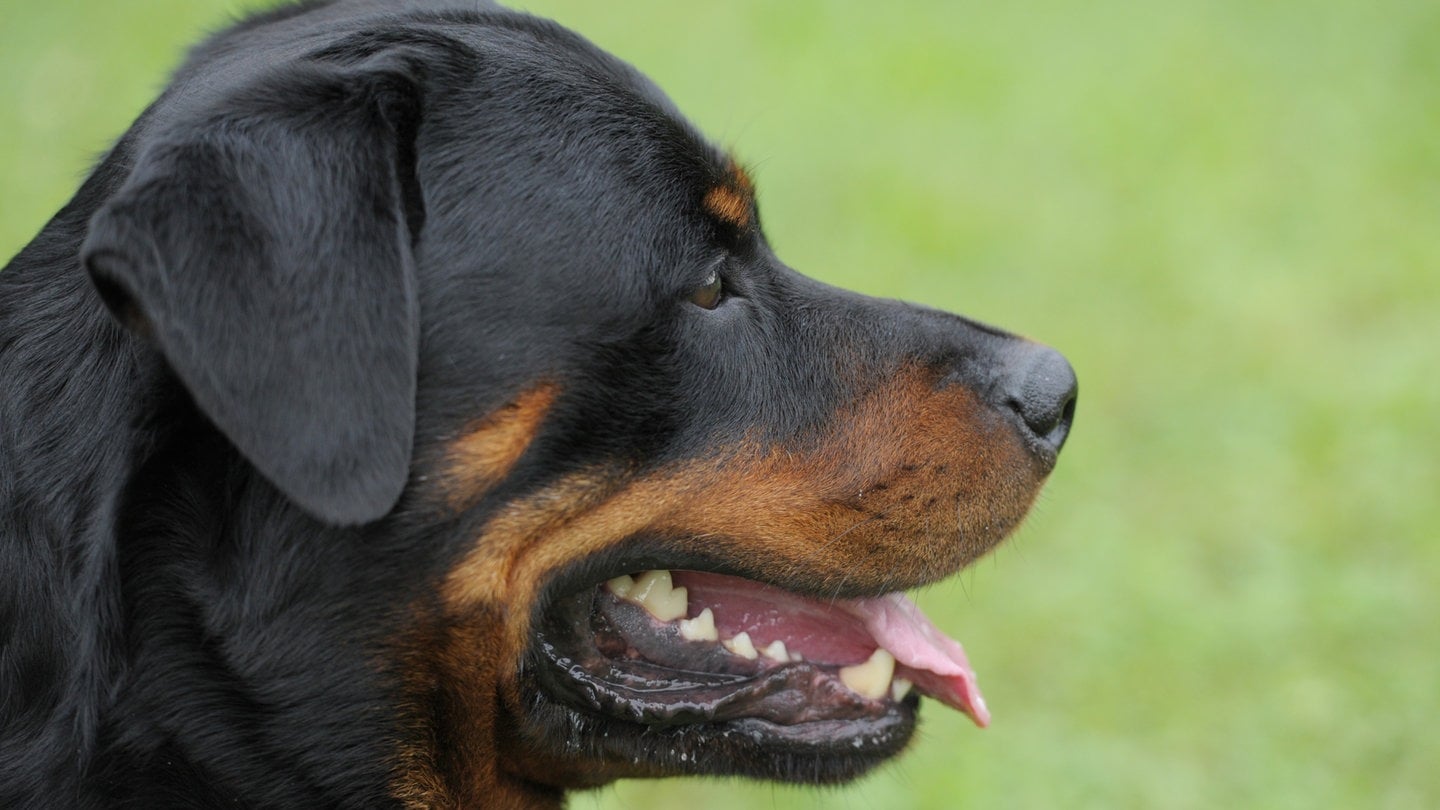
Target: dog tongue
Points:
(843, 632)
(937, 662)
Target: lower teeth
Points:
(872, 678)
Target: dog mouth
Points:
(712, 657)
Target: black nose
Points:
(1040, 387)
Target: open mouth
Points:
(710, 655)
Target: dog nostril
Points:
(1042, 393)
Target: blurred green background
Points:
(1226, 213)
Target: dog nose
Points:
(1041, 388)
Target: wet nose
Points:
(1040, 388)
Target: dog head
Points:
(554, 426)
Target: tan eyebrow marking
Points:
(733, 200)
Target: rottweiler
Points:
(408, 411)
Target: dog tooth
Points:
(899, 688)
(677, 604)
(653, 591)
(649, 581)
(872, 678)
(700, 628)
(776, 651)
(742, 646)
(622, 585)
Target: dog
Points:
(408, 411)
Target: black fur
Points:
(347, 230)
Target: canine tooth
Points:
(653, 590)
(872, 678)
(742, 646)
(700, 628)
(899, 688)
(776, 651)
(622, 585)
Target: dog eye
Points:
(708, 295)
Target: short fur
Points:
(370, 337)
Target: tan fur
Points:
(734, 200)
(486, 453)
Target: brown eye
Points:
(707, 295)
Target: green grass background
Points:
(1226, 213)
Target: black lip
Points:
(819, 752)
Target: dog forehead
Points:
(553, 173)
(543, 102)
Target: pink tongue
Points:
(828, 632)
(940, 668)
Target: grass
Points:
(1226, 213)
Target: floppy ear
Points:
(264, 242)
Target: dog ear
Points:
(264, 244)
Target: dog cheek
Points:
(486, 452)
